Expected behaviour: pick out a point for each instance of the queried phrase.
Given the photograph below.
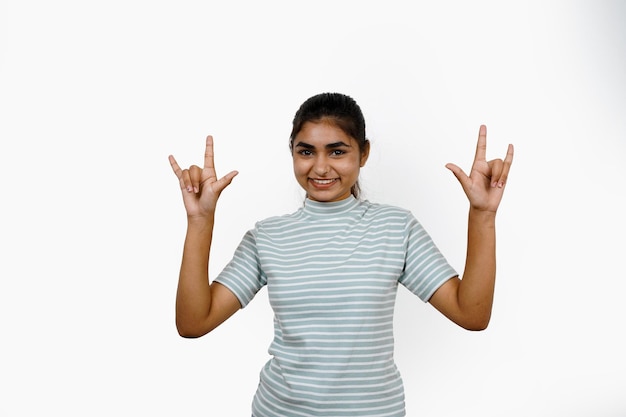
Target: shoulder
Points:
(279, 221)
(380, 210)
(386, 218)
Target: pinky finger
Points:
(506, 166)
(175, 167)
(508, 161)
(180, 174)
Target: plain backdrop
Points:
(94, 96)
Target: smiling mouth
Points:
(323, 182)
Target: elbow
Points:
(190, 331)
(476, 327)
(476, 318)
(476, 324)
(188, 335)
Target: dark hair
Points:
(340, 110)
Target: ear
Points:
(366, 152)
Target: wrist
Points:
(482, 216)
(200, 221)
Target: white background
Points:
(95, 95)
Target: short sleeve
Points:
(243, 275)
(425, 267)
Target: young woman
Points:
(332, 269)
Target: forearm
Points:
(193, 297)
(476, 289)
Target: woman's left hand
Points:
(485, 184)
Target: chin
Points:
(326, 198)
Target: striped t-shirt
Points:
(331, 271)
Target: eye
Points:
(305, 152)
(337, 152)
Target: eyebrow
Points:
(328, 146)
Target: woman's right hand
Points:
(200, 186)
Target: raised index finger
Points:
(208, 155)
(481, 146)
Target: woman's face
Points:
(326, 161)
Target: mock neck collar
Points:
(334, 208)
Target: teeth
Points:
(323, 181)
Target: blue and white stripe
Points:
(332, 271)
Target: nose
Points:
(321, 166)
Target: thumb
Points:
(458, 173)
(226, 180)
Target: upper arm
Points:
(223, 305)
(470, 316)
(446, 300)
